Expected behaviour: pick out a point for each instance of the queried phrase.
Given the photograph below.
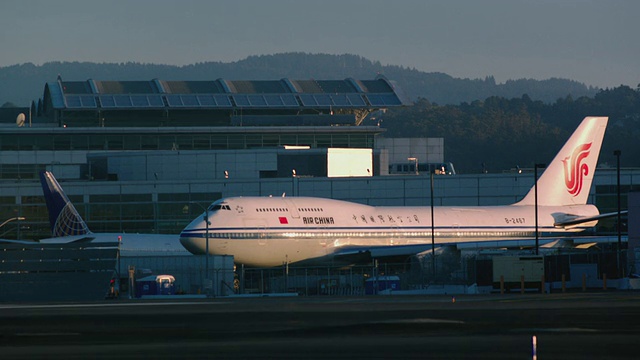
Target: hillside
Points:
(21, 84)
(498, 133)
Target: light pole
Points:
(294, 174)
(617, 153)
(535, 192)
(206, 242)
(18, 218)
(415, 160)
(433, 235)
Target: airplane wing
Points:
(366, 254)
(68, 239)
(570, 220)
(363, 255)
(19, 242)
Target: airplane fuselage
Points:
(270, 231)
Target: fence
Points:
(419, 273)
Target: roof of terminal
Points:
(223, 94)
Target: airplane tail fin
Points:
(567, 179)
(63, 216)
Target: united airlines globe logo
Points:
(575, 170)
(69, 222)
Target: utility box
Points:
(515, 269)
(380, 283)
(155, 285)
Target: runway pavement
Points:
(566, 326)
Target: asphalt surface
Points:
(565, 326)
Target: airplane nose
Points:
(192, 245)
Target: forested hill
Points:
(498, 133)
(484, 124)
(21, 84)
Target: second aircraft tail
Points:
(63, 216)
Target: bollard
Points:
(534, 347)
(564, 283)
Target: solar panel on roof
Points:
(73, 101)
(155, 101)
(390, 99)
(308, 100)
(123, 100)
(375, 100)
(107, 101)
(174, 100)
(146, 101)
(241, 100)
(139, 101)
(356, 100)
(80, 101)
(289, 100)
(88, 101)
(323, 99)
(274, 100)
(206, 100)
(257, 100)
(222, 100)
(340, 100)
(383, 99)
(190, 100)
(264, 95)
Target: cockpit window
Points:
(216, 207)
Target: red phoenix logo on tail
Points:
(575, 169)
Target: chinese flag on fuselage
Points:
(283, 220)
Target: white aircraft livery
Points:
(272, 231)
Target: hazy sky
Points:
(591, 41)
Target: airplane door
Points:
(293, 209)
(262, 236)
(257, 228)
(394, 235)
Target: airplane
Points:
(68, 226)
(273, 231)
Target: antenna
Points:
(20, 119)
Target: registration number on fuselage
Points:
(518, 220)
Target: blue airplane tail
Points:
(63, 216)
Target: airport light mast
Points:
(617, 154)
(17, 218)
(535, 191)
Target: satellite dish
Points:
(20, 120)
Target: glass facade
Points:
(59, 141)
(168, 212)
(129, 213)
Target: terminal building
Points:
(134, 152)
(148, 156)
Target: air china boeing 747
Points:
(271, 231)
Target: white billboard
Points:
(349, 162)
